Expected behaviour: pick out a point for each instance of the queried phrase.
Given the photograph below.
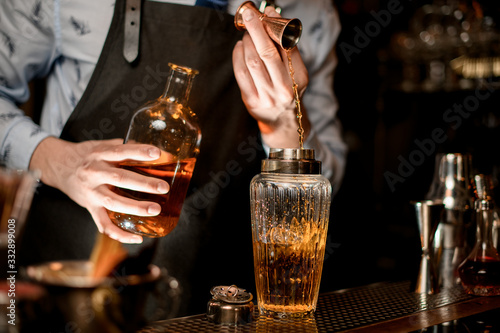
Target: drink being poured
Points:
(300, 130)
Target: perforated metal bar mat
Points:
(336, 311)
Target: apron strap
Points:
(132, 23)
(132, 30)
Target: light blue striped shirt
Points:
(62, 40)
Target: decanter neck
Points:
(179, 84)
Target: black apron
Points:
(212, 243)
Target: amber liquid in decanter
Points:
(178, 175)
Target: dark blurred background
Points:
(406, 69)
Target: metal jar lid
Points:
(291, 161)
(230, 305)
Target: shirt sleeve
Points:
(320, 34)
(27, 50)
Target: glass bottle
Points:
(170, 125)
(290, 205)
(484, 190)
(480, 271)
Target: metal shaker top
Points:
(451, 181)
(291, 161)
(230, 305)
(231, 294)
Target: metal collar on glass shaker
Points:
(291, 160)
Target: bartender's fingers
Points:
(258, 71)
(117, 203)
(105, 225)
(241, 73)
(115, 151)
(99, 172)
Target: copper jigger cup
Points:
(285, 32)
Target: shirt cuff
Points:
(313, 142)
(21, 141)
(332, 166)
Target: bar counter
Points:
(379, 307)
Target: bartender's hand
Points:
(85, 172)
(262, 72)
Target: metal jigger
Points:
(428, 215)
(285, 32)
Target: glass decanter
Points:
(170, 125)
(484, 189)
(480, 271)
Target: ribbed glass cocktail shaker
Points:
(290, 205)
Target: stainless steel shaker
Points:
(452, 185)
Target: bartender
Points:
(98, 74)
